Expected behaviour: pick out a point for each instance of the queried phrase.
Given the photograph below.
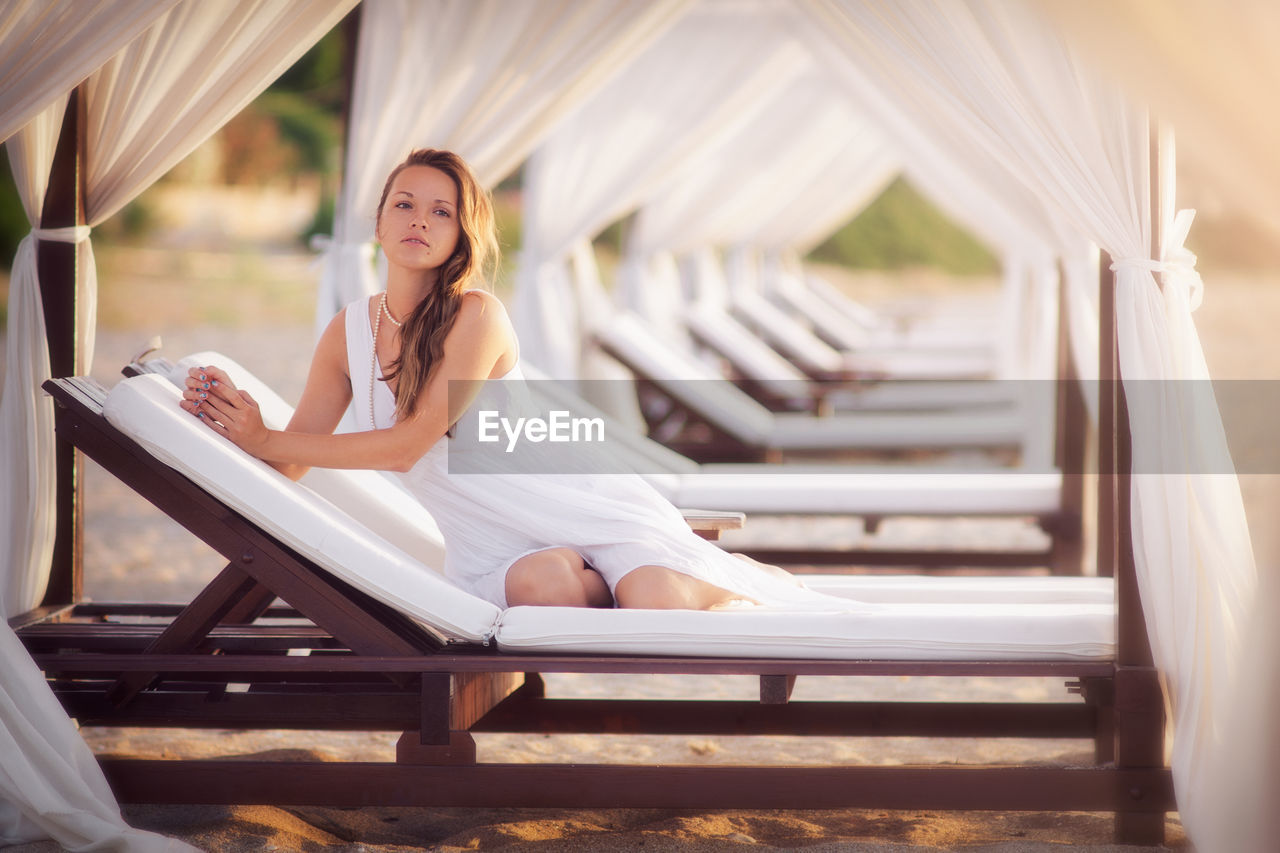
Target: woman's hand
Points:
(228, 411)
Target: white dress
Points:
(617, 523)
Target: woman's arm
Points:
(324, 398)
(480, 339)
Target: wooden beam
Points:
(626, 786)
(64, 207)
(1139, 703)
(1071, 435)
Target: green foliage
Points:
(309, 127)
(306, 102)
(902, 229)
(317, 75)
(13, 219)
(322, 222)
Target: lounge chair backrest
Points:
(790, 336)
(644, 455)
(712, 397)
(372, 498)
(748, 353)
(146, 409)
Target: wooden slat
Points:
(188, 630)
(829, 719)
(234, 667)
(205, 706)
(623, 786)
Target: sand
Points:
(133, 552)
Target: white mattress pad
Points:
(963, 618)
(782, 489)
(893, 631)
(146, 409)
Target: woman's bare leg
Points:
(660, 588)
(556, 577)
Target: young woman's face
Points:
(419, 226)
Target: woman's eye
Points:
(440, 211)
(403, 205)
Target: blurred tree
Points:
(13, 219)
(295, 126)
(902, 229)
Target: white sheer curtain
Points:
(49, 46)
(485, 78)
(1005, 88)
(757, 185)
(146, 108)
(1209, 68)
(26, 414)
(688, 90)
(50, 783)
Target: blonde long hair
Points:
(471, 264)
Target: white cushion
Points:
(978, 428)
(146, 409)
(791, 337)
(714, 398)
(371, 497)
(746, 351)
(775, 489)
(943, 632)
(965, 589)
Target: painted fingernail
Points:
(215, 382)
(200, 414)
(206, 385)
(203, 395)
(201, 377)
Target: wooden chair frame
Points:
(370, 667)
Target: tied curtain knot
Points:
(325, 245)
(70, 234)
(1178, 267)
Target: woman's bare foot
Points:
(773, 570)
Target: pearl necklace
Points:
(373, 358)
(383, 306)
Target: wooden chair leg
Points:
(230, 590)
(461, 749)
(1139, 745)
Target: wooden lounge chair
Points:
(814, 355)
(781, 385)
(704, 417)
(393, 647)
(873, 493)
(848, 326)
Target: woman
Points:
(511, 539)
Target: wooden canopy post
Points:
(57, 265)
(1070, 448)
(1139, 715)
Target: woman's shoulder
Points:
(482, 300)
(483, 315)
(482, 308)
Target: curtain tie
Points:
(70, 234)
(326, 244)
(1178, 266)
